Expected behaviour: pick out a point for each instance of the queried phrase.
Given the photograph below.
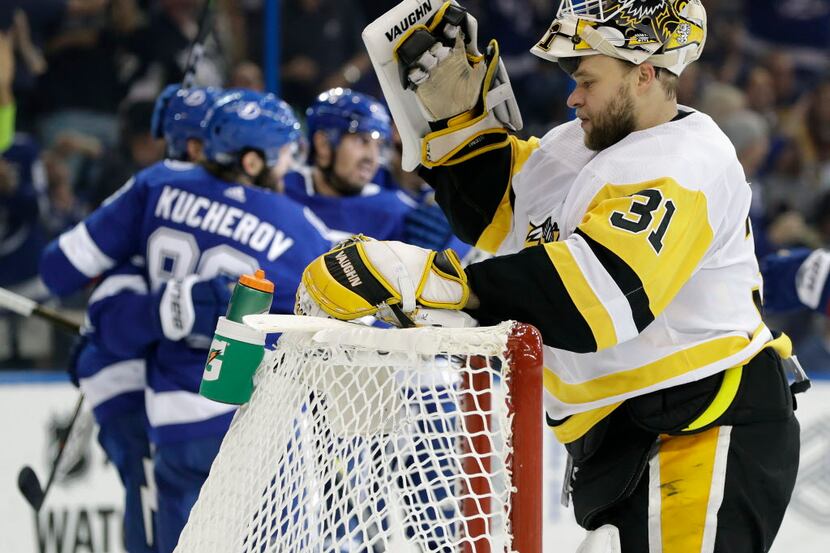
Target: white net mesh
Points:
(361, 439)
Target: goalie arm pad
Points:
(475, 191)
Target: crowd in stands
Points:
(84, 74)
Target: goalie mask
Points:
(666, 33)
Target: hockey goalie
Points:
(623, 236)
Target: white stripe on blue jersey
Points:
(180, 407)
(114, 380)
(77, 245)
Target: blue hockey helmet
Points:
(178, 115)
(246, 120)
(342, 111)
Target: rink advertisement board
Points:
(84, 509)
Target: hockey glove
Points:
(427, 227)
(392, 281)
(442, 64)
(191, 307)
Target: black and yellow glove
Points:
(392, 281)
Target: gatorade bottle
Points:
(252, 295)
(237, 350)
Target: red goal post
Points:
(365, 439)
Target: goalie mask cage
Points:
(361, 439)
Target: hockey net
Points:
(363, 439)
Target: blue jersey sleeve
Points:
(797, 279)
(108, 236)
(123, 315)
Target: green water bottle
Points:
(237, 350)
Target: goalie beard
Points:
(612, 123)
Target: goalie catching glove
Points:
(442, 91)
(465, 92)
(395, 282)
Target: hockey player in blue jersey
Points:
(192, 223)
(110, 365)
(347, 133)
(178, 117)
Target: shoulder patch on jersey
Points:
(235, 193)
(543, 233)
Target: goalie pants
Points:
(723, 489)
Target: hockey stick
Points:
(27, 481)
(197, 47)
(26, 307)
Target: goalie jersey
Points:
(636, 263)
(176, 219)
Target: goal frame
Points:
(523, 440)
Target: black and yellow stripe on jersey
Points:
(634, 249)
(478, 197)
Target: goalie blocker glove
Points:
(395, 282)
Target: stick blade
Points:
(29, 486)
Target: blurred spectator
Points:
(800, 26)
(720, 101)
(32, 21)
(816, 140)
(64, 210)
(137, 149)
(689, 85)
(7, 107)
(86, 77)
(759, 91)
(322, 48)
(163, 48)
(820, 217)
(22, 188)
(247, 74)
(749, 133)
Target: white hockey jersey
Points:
(650, 253)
